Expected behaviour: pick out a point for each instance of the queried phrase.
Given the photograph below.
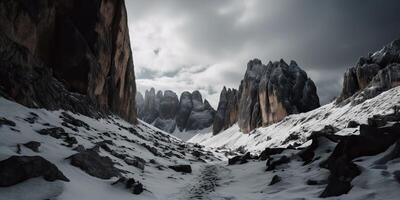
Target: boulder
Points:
(138, 163)
(240, 159)
(129, 183)
(272, 163)
(4, 121)
(94, 164)
(56, 132)
(264, 155)
(268, 93)
(275, 179)
(181, 168)
(17, 169)
(33, 145)
(71, 55)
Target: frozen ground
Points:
(159, 181)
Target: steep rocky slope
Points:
(165, 111)
(372, 75)
(73, 55)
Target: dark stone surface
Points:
(270, 92)
(264, 155)
(353, 124)
(71, 55)
(275, 179)
(94, 164)
(371, 141)
(33, 145)
(372, 75)
(240, 159)
(227, 112)
(129, 183)
(167, 113)
(396, 175)
(272, 164)
(56, 132)
(17, 169)
(181, 168)
(184, 110)
(7, 122)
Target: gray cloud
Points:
(206, 44)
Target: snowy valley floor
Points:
(211, 176)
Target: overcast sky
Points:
(206, 44)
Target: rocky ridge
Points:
(227, 111)
(266, 95)
(372, 75)
(72, 55)
(165, 111)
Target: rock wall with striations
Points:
(227, 111)
(73, 55)
(270, 92)
(165, 111)
(372, 75)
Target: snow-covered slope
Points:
(158, 149)
(296, 128)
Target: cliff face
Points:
(270, 92)
(166, 112)
(227, 112)
(372, 75)
(72, 54)
(266, 95)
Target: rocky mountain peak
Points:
(270, 92)
(167, 112)
(227, 112)
(372, 75)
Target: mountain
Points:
(266, 95)
(165, 111)
(372, 75)
(365, 93)
(73, 55)
(227, 111)
(68, 126)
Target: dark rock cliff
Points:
(372, 75)
(227, 112)
(270, 92)
(167, 112)
(73, 55)
(266, 95)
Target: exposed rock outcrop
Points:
(94, 164)
(16, 169)
(227, 112)
(73, 55)
(270, 92)
(167, 112)
(372, 75)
